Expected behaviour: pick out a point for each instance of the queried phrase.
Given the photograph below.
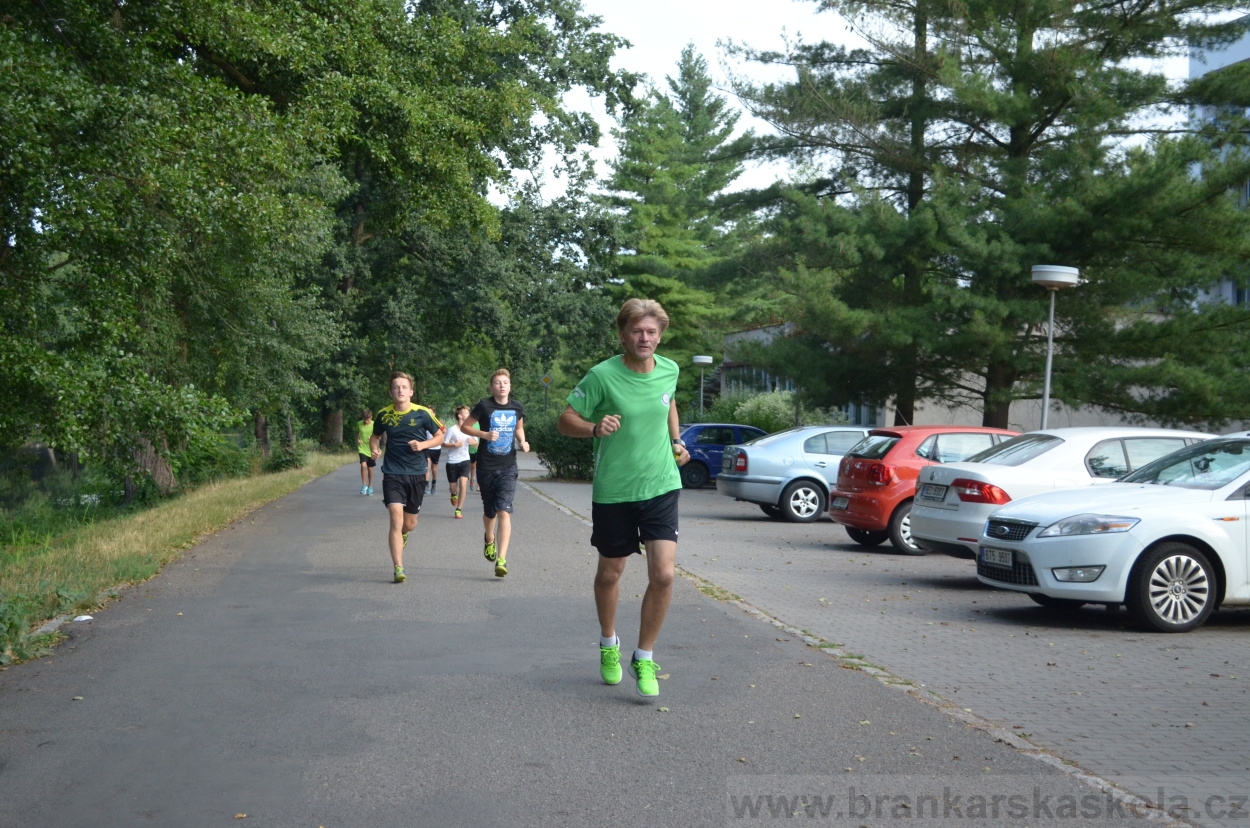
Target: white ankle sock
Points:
(609, 642)
(642, 655)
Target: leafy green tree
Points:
(677, 156)
(970, 142)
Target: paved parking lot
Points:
(1153, 714)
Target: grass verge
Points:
(71, 573)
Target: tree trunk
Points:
(156, 465)
(1000, 379)
(261, 430)
(289, 434)
(332, 429)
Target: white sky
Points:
(660, 29)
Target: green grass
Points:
(45, 572)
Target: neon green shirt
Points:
(636, 462)
(362, 439)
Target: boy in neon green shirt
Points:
(364, 430)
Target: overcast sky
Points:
(660, 29)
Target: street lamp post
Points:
(702, 361)
(1054, 278)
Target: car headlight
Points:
(1089, 525)
(1078, 574)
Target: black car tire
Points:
(1172, 588)
(772, 511)
(900, 531)
(802, 502)
(866, 537)
(1056, 603)
(694, 475)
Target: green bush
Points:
(286, 457)
(216, 458)
(567, 458)
(771, 411)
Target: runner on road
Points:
(457, 445)
(626, 403)
(432, 456)
(364, 430)
(496, 463)
(403, 471)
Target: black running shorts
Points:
(498, 488)
(618, 528)
(455, 471)
(408, 489)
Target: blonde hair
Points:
(635, 309)
(502, 372)
(412, 383)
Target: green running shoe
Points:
(488, 551)
(405, 538)
(501, 568)
(644, 671)
(610, 664)
(400, 577)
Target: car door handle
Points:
(820, 464)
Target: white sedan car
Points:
(1169, 541)
(953, 500)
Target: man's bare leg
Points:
(608, 593)
(401, 524)
(661, 566)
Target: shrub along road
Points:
(274, 671)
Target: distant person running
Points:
(626, 403)
(458, 464)
(497, 473)
(473, 447)
(403, 471)
(364, 430)
(433, 455)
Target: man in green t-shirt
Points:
(627, 405)
(364, 429)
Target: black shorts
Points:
(618, 528)
(498, 488)
(432, 455)
(408, 489)
(455, 471)
(367, 459)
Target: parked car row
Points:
(1165, 530)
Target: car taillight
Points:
(975, 491)
(880, 474)
(740, 462)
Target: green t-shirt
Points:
(362, 439)
(635, 462)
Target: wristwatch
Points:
(677, 441)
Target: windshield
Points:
(1017, 450)
(772, 437)
(1208, 465)
(873, 447)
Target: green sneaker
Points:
(400, 577)
(501, 568)
(488, 551)
(610, 664)
(404, 536)
(645, 671)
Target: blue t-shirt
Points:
(492, 416)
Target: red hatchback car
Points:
(877, 477)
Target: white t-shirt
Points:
(461, 453)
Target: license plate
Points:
(840, 502)
(933, 491)
(997, 557)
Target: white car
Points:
(953, 500)
(1169, 541)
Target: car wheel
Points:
(865, 537)
(900, 531)
(772, 511)
(1056, 603)
(1172, 588)
(694, 475)
(802, 502)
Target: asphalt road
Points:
(276, 672)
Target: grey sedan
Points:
(788, 473)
